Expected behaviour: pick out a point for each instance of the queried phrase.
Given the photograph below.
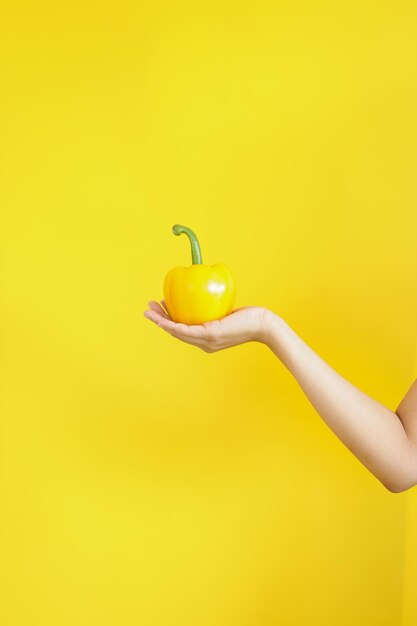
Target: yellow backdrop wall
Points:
(410, 566)
(144, 481)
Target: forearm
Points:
(371, 431)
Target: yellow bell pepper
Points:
(198, 293)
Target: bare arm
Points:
(383, 440)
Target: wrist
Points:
(283, 341)
(271, 324)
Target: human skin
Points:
(384, 441)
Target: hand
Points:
(242, 325)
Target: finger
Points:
(165, 322)
(185, 331)
(172, 328)
(153, 316)
(158, 308)
(194, 342)
(164, 304)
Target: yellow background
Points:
(410, 566)
(145, 481)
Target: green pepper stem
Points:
(177, 229)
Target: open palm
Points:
(242, 325)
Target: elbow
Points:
(406, 477)
(395, 488)
(400, 486)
